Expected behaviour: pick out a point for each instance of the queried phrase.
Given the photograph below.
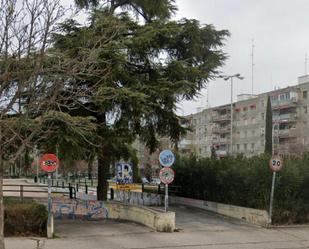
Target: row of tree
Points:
(247, 182)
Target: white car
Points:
(156, 181)
(144, 180)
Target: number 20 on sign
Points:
(275, 163)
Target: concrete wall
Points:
(156, 219)
(138, 198)
(93, 210)
(72, 209)
(253, 216)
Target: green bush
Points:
(247, 182)
(24, 218)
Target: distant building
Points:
(211, 128)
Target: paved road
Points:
(197, 230)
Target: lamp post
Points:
(230, 77)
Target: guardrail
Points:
(69, 190)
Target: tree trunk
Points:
(104, 160)
(90, 169)
(103, 170)
(2, 245)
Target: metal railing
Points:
(68, 190)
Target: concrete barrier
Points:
(250, 215)
(138, 198)
(156, 219)
(94, 210)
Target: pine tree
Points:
(132, 75)
(268, 128)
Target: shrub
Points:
(246, 182)
(24, 218)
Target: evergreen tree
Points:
(132, 75)
(268, 128)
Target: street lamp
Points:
(230, 77)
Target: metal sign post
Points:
(166, 198)
(167, 176)
(275, 164)
(166, 159)
(49, 163)
(272, 197)
(49, 201)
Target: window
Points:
(262, 116)
(305, 94)
(305, 109)
(245, 122)
(245, 147)
(253, 133)
(253, 107)
(262, 102)
(252, 146)
(238, 134)
(238, 147)
(246, 134)
(253, 120)
(245, 109)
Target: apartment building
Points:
(212, 129)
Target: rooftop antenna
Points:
(306, 61)
(207, 95)
(252, 66)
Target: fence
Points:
(36, 190)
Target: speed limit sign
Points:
(275, 163)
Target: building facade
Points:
(241, 129)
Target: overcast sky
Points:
(280, 29)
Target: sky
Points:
(280, 32)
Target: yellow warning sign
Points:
(126, 187)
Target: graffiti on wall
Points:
(73, 209)
(137, 198)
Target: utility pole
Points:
(230, 77)
(252, 67)
(306, 61)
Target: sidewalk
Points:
(25, 243)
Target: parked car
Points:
(144, 180)
(155, 181)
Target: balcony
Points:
(286, 133)
(223, 140)
(221, 118)
(283, 104)
(285, 118)
(221, 130)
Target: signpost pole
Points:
(271, 198)
(49, 207)
(37, 164)
(166, 197)
(57, 154)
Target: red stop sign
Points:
(49, 162)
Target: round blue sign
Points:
(166, 158)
